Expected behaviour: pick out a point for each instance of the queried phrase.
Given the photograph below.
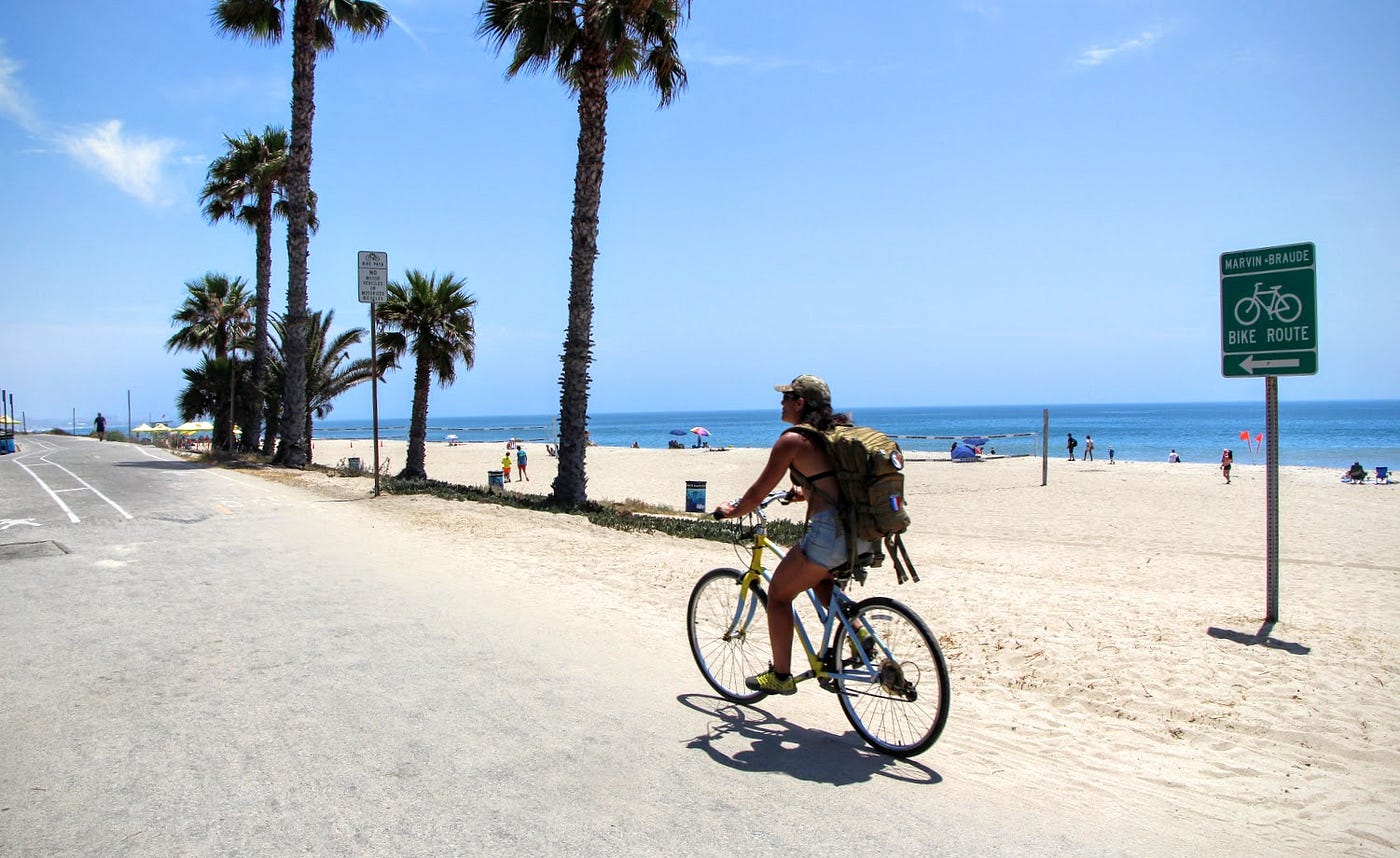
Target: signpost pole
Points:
(1271, 497)
(374, 389)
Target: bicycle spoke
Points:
(728, 631)
(901, 705)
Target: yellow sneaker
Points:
(770, 683)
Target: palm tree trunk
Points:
(415, 467)
(293, 452)
(571, 484)
(253, 418)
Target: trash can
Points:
(495, 481)
(694, 495)
(352, 463)
(7, 443)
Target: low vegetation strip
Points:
(615, 516)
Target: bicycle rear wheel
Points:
(901, 706)
(728, 629)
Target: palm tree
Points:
(314, 23)
(329, 369)
(591, 45)
(433, 318)
(248, 184)
(215, 317)
(206, 390)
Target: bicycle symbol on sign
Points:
(1271, 302)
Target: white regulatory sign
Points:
(374, 277)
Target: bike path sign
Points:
(1268, 311)
(374, 276)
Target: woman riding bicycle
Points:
(807, 400)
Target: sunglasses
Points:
(789, 396)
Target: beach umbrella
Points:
(8, 420)
(195, 426)
(159, 427)
(700, 430)
(144, 427)
(677, 431)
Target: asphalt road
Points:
(199, 661)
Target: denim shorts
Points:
(825, 540)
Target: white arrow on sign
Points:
(1249, 364)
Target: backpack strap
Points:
(903, 566)
(802, 479)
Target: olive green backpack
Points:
(870, 470)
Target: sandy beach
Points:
(1103, 631)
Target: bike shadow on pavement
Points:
(754, 740)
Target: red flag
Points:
(1244, 435)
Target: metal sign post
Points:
(374, 289)
(1268, 327)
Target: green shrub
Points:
(615, 516)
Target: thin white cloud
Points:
(1097, 56)
(401, 24)
(724, 59)
(14, 103)
(132, 163)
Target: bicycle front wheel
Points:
(728, 629)
(900, 704)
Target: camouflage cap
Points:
(809, 387)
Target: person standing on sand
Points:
(1227, 459)
(99, 427)
(807, 401)
(520, 461)
(1110, 455)
(1088, 448)
(1070, 444)
(505, 466)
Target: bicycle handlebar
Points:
(783, 495)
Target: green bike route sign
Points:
(1268, 311)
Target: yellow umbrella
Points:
(144, 427)
(160, 427)
(195, 426)
(5, 418)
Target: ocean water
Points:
(1329, 434)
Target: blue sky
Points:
(954, 203)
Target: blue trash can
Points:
(694, 495)
(495, 481)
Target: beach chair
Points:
(1382, 475)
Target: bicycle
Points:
(1280, 305)
(876, 655)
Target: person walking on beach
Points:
(1070, 444)
(520, 461)
(99, 427)
(1227, 459)
(1088, 448)
(1110, 455)
(505, 466)
(807, 400)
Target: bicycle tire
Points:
(726, 657)
(1289, 308)
(899, 712)
(1247, 311)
